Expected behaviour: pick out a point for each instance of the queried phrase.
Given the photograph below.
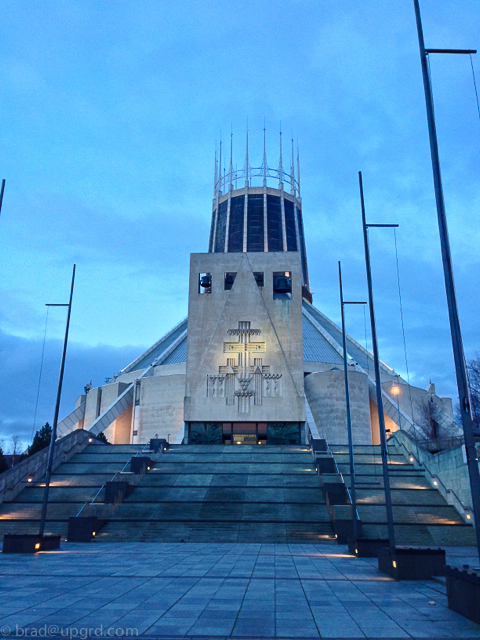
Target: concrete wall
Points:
(213, 314)
(93, 406)
(119, 431)
(325, 392)
(161, 405)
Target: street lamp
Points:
(396, 392)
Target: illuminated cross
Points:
(240, 379)
(244, 347)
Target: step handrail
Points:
(112, 479)
(463, 510)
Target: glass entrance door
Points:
(244, 433)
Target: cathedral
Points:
(255, 362)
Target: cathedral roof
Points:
(322, 340)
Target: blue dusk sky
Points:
(110, 114)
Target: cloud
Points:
(20, 372)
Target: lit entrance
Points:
(244, 432)
(238, 433)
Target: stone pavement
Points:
(219, 590)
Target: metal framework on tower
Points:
(258, 208)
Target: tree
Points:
(3, 462)
(15, 447)
(429, 419)
(102, 437)
(473, 371)
(41, 439)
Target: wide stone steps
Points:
(424, 534)
(149, 494)
(60, 494)
(420, 514)
(404, 481)
(32, 526)
(266, 532)
(263, 480)
(197, 493)
(221, 493)
(68, 491)
(407, 496)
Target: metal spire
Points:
(298, 171)
(280, 164)
(220, 166)
(246, 160)
(292, 176)
(231, 160)
(215, 178)
(264, 157)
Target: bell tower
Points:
(244, 375)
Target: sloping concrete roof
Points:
(322, 342)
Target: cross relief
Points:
(241, 378)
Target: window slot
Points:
(258, 275)
(229, 280)
(205, 283)
(282, 284)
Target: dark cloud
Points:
(19, 379)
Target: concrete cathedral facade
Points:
(255, 362)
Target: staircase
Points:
(193, 493)
(420, 514)
(225, 493)
(72, 484)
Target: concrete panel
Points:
(223, 381)
(325, 392)
(92, 409)
(110, 392)
(161, 406)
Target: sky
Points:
(110, 116)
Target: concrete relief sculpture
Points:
(241, 378)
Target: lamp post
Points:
(378, 381)
(1, 194)
(457, 343)
(57, 408)
(347, 401)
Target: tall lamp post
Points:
(347, 400)
(457, 343)
(57, 409)
(1, 194)
(378, 380)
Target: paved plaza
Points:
(220, 590)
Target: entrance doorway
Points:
(244, 433)
(238, 433)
